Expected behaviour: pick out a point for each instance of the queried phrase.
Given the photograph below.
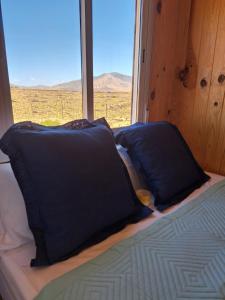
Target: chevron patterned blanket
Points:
(181, 256)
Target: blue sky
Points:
(43, 39)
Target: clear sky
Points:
(43, 39)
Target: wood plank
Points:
(216, 99)
(180, 53)
(206, 57)
(154, 65)
(163, 55)
(148, 30)
(220, 149)
(184, 93)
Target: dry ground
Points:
(52, 107)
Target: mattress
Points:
(20, 282)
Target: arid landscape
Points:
(54, 105)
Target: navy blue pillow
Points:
(74, 124)
(160, 153)
(75, 186)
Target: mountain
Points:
(112, 82)
(107, 82)
(74, 85)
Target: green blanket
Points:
(181, 256)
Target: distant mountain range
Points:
(107, 82)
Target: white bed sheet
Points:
(18, 281)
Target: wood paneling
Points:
(165, 39)
(215, 100)
(184, 92)
(196, 54)
(205, 62)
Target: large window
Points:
(72, 59)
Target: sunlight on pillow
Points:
(145, 197)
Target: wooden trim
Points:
(140, 72)
(136, 63)
(144, 61)
(146, 42)
(6, 114)
(87, 58)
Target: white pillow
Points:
(14, 230)
(141, 190)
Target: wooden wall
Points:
(187, 85)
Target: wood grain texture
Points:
(206, 58)
(179, 63)
(213, 154)
(184, 92)
(148, 30)
(163, 53)
(220, 149)
(197, 52)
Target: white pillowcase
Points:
(141, 190)
(14, 229)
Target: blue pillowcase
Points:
(75, 186)
(160, 153)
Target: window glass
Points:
(113, 42)
(44, 59)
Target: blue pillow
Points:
(75, 186)
(160, 153)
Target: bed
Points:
(18, 281)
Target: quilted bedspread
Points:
(180, 256)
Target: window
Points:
(44, 64)
(113, 44)
(73, 59)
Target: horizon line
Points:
(63, 82)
